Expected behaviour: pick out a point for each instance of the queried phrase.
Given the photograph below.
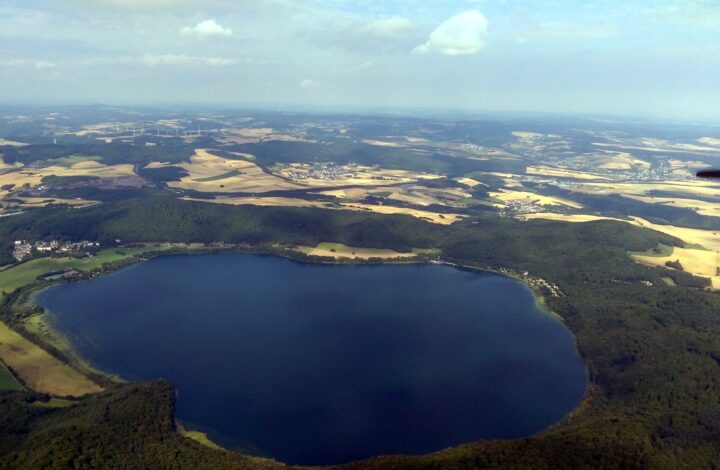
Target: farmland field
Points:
(39, 370)
(338, 251)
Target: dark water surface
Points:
(323, 364)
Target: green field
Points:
(67, 162)
(659, 251)
(27, 273)
(7, 380)
(196, 436)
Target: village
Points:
(23, 249)
(323, 171)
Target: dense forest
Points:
(653, 351)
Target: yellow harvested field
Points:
(704, 263)
(416, 199)
(382, 143)
(709, 141)
(258, 134)
(527, 135)
(211, 173)
(566, 217)
(7, 167)
(33, 176)
(428, 216)
(423, 196)
(706, 238)
(562, 173)
(44, 201)
(158, 164)
(687, 169)
(469, 182)
(416, 195)
(338, 251)
(510, 180)
(264, 201)
(688, 188)
(687, 164)
(524, 196)
(99, 128)
(618, 161)
(351, 175)
(434, 217)
(351, 193)
(657, 145)
(701, 207)
(12, 143)
(255, 131)
(696, 261)
(415, 140)
(39, 370)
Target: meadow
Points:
(7, 380)
(339, 251)
(39, 370)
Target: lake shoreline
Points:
(48, 334)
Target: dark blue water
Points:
(322, 364)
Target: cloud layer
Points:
(485, 54)
(463, 34)
(309, 83)
(183, 60)
(206, 28)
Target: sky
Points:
(644, 58)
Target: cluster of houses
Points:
(534, 281)
(23, 249)
(515, 207)
(539, 282)
(323, 171)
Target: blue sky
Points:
(659, 58)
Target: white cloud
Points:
(44, 64)
(309, 83)
(207, 28)
(462, 34)
(38, 64)
(390, 28)
(183, 60)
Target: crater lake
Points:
(324, 364)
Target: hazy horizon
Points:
(605, 58)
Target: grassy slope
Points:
(7, 380)
(659, 251)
